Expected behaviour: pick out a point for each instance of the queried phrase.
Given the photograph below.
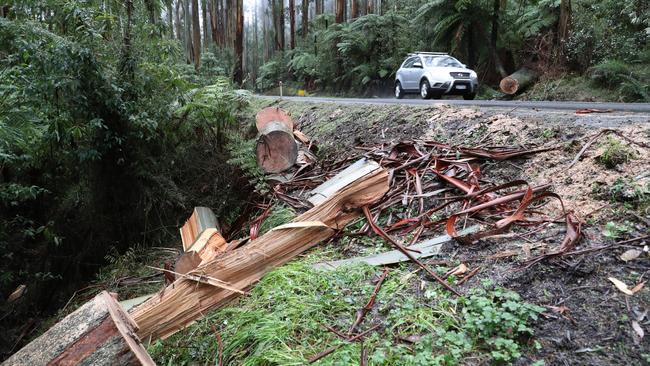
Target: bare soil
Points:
(589, 321)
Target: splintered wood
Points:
(98, 333)
(202, 218)
(186, 300)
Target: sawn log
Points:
(518, 81)
(185, 301)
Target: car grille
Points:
(459, 75)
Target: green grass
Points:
(281, 322)
(615, 153)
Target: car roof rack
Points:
(428, 53)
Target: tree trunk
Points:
(196, 35)
(179, 30)
(98, 333)
(170, 17)
(564, 25)
(185, 301)
(204, 13)
(238, 75)
(281, 25)
(187, 24)
(292, 24)
(319, 7)
(213, 22)
(355, 9)
(370, 7)
(340, 5)
(518, 81)
(305, 18)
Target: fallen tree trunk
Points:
(202, 218)
(185, 301)
(98, 333)
(205, 248)
(518, 81)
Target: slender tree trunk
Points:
(496, 4)
(196, 34)
(564, 26)
(319, 7)
(305, 18)
(126, 62)
(170, 17)
(238, 76)
(355, 9)
(213, 22)
(256, 48)
(292, 24)
(151, 10)
(370, 7)
(187, 24)
(281, 25)
(179, 30)
(340, 5)
(204, 13)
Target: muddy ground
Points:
(589, 321)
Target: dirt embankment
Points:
(608, 188)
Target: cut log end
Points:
(509, 85)
(270, 115)
(276, 151)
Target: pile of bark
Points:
(437, 186)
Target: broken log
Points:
(98, 333)
(205, 248)
(202, 218)
(185, 301)
(518, 81)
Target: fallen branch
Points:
(361, 313)
(405, 251)
(328, 351)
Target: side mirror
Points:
(417, 65)
(464, 66)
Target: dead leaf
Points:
(637, 328)
(638, 287)
(630, 255)
(526, 249)
(621, 286)
(459, 270)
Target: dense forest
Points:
(117, 117)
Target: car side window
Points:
(416, 59)
(409, 62)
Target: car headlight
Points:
(473, 75)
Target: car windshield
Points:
(441, 61)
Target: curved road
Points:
(516, 104)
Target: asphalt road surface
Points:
(515, 104)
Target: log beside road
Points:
(518, 81)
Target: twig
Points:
(318, 356)
(406, 252)
(361, 313)
(469, 275)
(220, 346)
(205, 279)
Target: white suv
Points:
(434, 74)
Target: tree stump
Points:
(98, 333)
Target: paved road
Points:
(618, 107)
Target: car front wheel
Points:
(425, 89)
(399, 92)
(469, 96)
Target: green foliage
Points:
(614, 231)
(610, 73)
(615, 153)
(282, 322)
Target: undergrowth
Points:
(615, 153)
(283, 321)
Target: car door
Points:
(408, 74)
(417, 68)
